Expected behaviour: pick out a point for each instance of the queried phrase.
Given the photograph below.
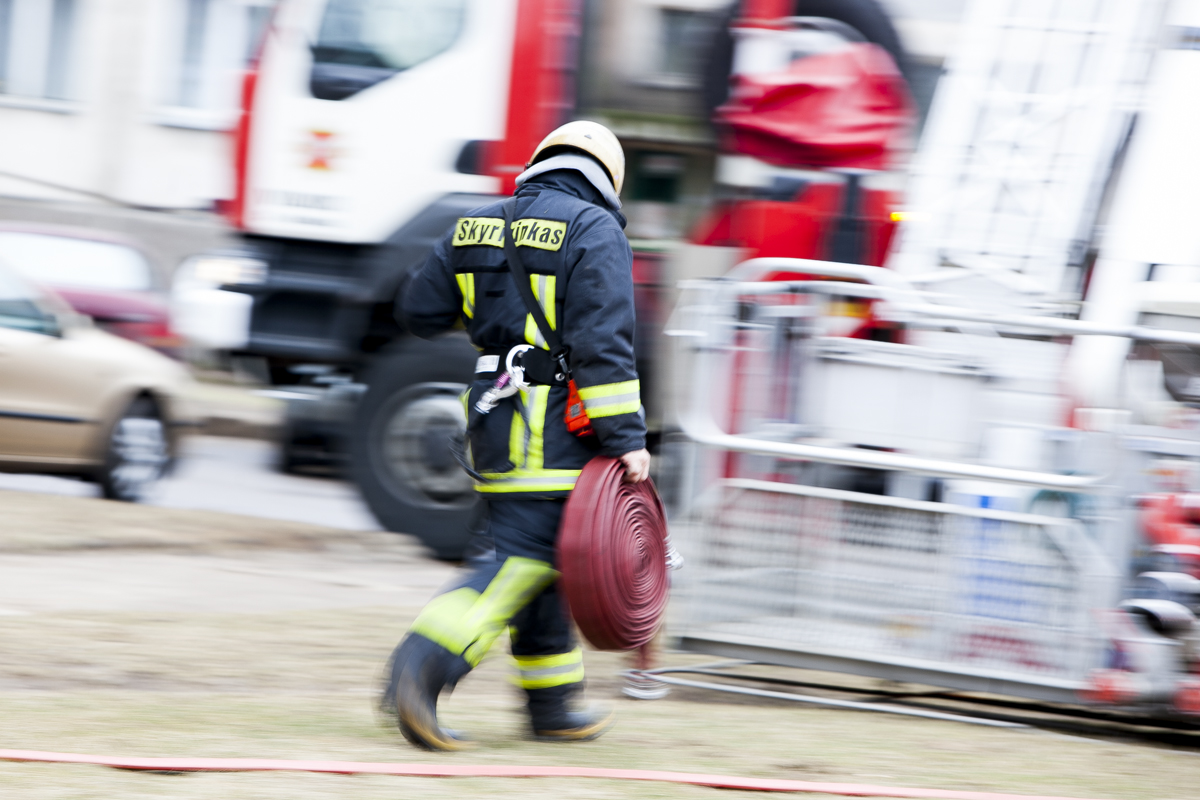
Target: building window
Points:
(257, 18)
(36, 52)
(656, 176)
(191, 71)
(681, 40)
(212, 41)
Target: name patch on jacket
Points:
(545, 234)
(479, 230)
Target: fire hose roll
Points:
(612, 553)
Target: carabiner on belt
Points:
(515, 370)
(507, 384)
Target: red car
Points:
(98, 274)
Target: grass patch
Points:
(302, 685)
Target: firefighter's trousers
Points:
(516, 588)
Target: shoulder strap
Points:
(525, 289)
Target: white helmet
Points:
(593, 139)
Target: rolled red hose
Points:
(612, 553)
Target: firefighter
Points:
(567, 234)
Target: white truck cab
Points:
(361, 108)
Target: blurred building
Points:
(126, 100)
(108, 105)
(113, 105)
(643, 76)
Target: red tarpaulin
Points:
(846, 109)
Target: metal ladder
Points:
(1025, 127)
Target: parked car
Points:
(98, 274)
(75, 400)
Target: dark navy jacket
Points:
(580, 267)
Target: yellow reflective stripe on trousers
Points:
(544, 287)
(467, 623)
(542, 672)
(439, 620)
(511, 590)
(466, 287)
(610, 399)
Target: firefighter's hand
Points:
(637, 465)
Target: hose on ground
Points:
(180, 765)
(612, 553)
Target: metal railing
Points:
(786, 569)
(971, 598)
(900, 302)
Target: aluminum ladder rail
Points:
(1020, 142)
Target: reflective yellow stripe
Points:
(532, 334)
(465, 399)
(527, 452)
(440, 620)
(542, 672)
(519, 480)
(536, 401)
(610, 389)
(610, 399)
(544, 662)
(467, 623)
(466, 287)
(517, 436)
(544, 287)
(511, 590)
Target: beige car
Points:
(77, 401)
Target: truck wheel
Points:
(399, 453)
(859, 20)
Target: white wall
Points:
(117, 136)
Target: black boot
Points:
(553, 720)
(420, 672)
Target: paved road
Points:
(237, 476)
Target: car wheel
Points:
(400, 443)
(137, 453)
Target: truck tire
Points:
(400, 455)
(867, 18)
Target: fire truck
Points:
(369, 126)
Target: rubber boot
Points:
(420, 672)
(552, 719)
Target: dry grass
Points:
(302, 685)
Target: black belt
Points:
(540, 368)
